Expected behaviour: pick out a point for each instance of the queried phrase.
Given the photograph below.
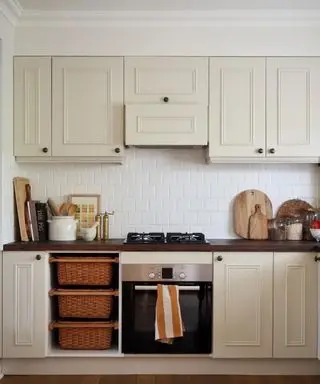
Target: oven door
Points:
(138, 319)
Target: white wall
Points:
(173, 190)
(167, 189)
(6, 122)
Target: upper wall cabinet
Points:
(87, 115)
(237, 107)
(166, 101)
(79, 119)
(166, 80)
(32, 106)
(264, 109)
(293, 113)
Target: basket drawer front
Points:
(84, 273)
(85, 338)
(85, 306)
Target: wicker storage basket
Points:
(91, 304)
(84, 270)
(84, 335)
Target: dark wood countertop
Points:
(213, 245)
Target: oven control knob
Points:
(182, 275)
(152, 275)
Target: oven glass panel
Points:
(138, 320)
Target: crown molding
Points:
(11, 9)
(259, 18)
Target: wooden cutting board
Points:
(244, 207)
(258, 225)
(20, 192)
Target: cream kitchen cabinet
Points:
(68, 109)
(264, 109)
(242, 305)
(32, 106)
(293, 113)
(169, 80)
(237, 107)
(166, 101)
(25, 304)
(295, 305)
(87, 106)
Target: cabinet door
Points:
(166, 125)
(25, 304)
(293, 113)
(295, 305)
(242, 306)
(87, 107)
(180, 79)
(32, 106)
(237, 107)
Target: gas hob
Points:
(161, 238)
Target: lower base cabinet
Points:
(242, 309)
(25, 304)
(295, 332)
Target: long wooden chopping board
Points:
(244, 207)
(20, 192)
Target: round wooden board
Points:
(244, 207)
(293, 208)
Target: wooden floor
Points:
(165, 379)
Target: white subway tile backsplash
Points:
(171, 189)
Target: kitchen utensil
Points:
(62, 228)
(244, 207)
(63, 209)
(72, 208)
(258, 225)
(53, 207)
(293, 208)
(19, 184)
(32, 214)
(88, 234)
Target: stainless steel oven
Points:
(139, 295)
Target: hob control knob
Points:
(152, 275)
(182, 275)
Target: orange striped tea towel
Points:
(168, 324)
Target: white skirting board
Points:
(158, 365)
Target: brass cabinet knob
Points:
(117, 150)
(272, 150)
(219, 258)
(260, 150)
(166, 99)
(45, 150)
(38, 257)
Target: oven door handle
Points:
(154, 288)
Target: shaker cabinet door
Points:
(237, 107)
(166, 125)
(166, 80)
(25, 304)
(242, 305)
(295, 305)
(32, 106)
(87, 116)
(293, 113)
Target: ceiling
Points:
(163, 5)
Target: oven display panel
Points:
(167, 273)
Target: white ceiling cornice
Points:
(11, 9)
(171, 18)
